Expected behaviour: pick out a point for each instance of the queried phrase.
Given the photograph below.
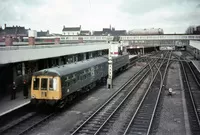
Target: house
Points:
(85, 32)
(16, 32)
(71, 30)
(43, 33)
(109, 31)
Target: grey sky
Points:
(171, 15)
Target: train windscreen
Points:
(44, 83)
(52, 84)
(36, 83)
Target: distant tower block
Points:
(31, 37)
(8, 41)
(57, 40)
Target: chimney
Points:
(5, 25)
(80, 26)
(9, 41)
(63, 26)
(110, 26)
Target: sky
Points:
(174, 16)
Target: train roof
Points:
(71, 68)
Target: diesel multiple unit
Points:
(58, 85)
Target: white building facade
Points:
(71, 30)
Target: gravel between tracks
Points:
(173, 120)
(129, 109)
(66, 121)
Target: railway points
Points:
(120, 118)
(168, 120)
(81, 109)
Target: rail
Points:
(191, 86)
(103, 114)
(25, 124)
(146, 117)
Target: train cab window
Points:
(52, 84)
(43, 84)
(36, 83)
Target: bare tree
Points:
(190, 30)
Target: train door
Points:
(44, 87)
(92, 72)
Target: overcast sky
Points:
(171, 15)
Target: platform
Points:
(7, 105)
(196, 63)
(195, 44)
(132, 56)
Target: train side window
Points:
(74, 81)
(36, 83)
(43, 84)
(67, 84)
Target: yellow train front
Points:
(45, 89)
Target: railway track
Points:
(192, 95)
(109, 111)
(142, 119)
(25, 124)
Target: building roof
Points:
(42, 33)
(118, 32)
(113, 33)
(15, 30)
(71, 29)
(85, 31)
(97, 33)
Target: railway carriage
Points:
(58, 85)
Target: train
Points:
(58, 85)
(193, 51)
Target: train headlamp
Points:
(33, 96)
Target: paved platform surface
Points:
(132, 56)
(7, 105)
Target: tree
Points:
(190, 30)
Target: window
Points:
(70, 76)
(43, 84)
(52, 84)
(67, 84)
(74, 81)
(36, 84)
